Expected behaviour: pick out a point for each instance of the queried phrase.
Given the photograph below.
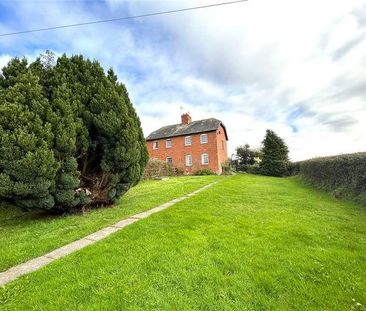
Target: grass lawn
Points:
(27, 235)
(248, 243)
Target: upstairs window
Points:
(187, 141)
(204, 158)
(168, 143)
(169, 160)
(204, 138)
(188, 160)
(155, 145)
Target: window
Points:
(188, 160)
(155, 145)
(204, 139)
(169, 160)
(204, 158)
(168, 143)
(187, 141)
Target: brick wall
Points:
(221, 146)
(216, 149)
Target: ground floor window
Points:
(169, 160)
(188, 160)
(204, 158)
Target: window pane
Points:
(188, 160)
(204, 139)
(204, 158)
(188, 140)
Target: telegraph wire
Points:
(120, 18)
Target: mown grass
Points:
(248, 243)
(27, 235)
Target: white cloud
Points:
(280, 56)
(4, 59)
(292, 66)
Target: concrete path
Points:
(39, 262)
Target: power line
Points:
(119, 18)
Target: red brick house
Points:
(190, 145)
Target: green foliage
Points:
(157, 168)
(343, 175)
(227, 167)
(293, 168)
(204, 172)
(69, 135)
(253, 169)
(246, 157)
(275, 155)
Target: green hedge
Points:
(157, 168)
(343, 175)
(205, 171)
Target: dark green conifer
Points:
(69, 134)
(275, 160)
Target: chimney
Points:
(186, 118)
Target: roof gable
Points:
(194, 127)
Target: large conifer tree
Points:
(69, 135)
(275, 155)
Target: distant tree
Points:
(246, 158)
(69, 135)
(275, 160)
(245, 155)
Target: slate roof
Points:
(194, 127)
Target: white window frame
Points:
(189, 143)
(188, 160)
(171, 160)
(155, 144)
(203, 155)
(167, 145)
(202, 140)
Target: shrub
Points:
(293, 168)
(205, 171)
(245, 155)
(253, 169)
(275, 155)
(69, 135)
(227, 168)
(157, 168)
(343, 175)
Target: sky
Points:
(296, 67)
